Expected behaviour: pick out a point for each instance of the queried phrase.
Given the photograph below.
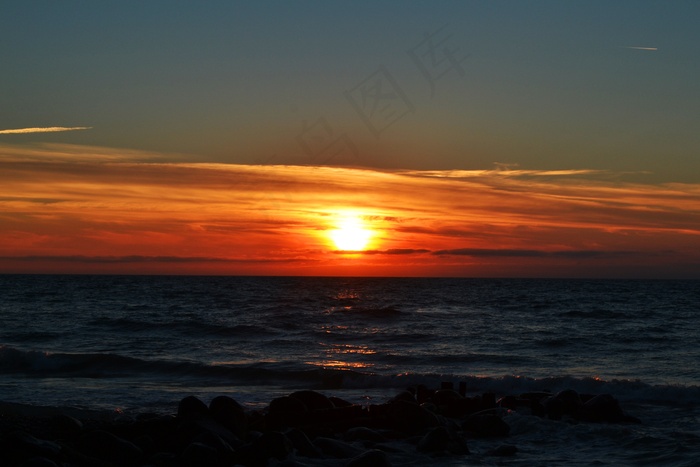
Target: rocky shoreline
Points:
(304, 428)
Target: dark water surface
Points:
(141, 343)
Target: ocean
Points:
(135, 344)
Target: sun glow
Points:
(351, 234)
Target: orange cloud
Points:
(77, 209)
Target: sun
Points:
(351, 234)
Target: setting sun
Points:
(351, 234)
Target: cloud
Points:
(390, 251)
(137, 259)
(101, 206)
(573, 254)
(651, 49)
(50, 129)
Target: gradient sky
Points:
(473, 138)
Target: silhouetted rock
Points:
(313, 400)
(199, 455)
(372, 458)
(286, 412)
(409, 417)
(192, 408)
(486, 426)
(435, 440)
(230, 414)
(338, 449)
(109, 447)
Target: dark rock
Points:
(337, 449)
(230, 414)
(486, 426)
(302, 444)
(409, 417)
(445, 396)
(38, 462)
(163, 459)
(35, 446)
(109, 447)
(405, 396)
(313, 400)
(286, 412)
(567, 402)
(504, 450)
(435, 440)
(338, 402)
(274, 444)
(373, 458)
(604, 408)
(67, 426)
(191, 408)
(199, 455)
(364, 434)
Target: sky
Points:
(470, 138)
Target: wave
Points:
(189, 327)
(37, 364)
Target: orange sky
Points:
(96, 210)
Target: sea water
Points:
(140, 343)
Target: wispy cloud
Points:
(650, 49)
(50, 129)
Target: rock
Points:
(604, 408)
(109, 447)
(409, 417)
(486, 426)
(313, 400)
(567, 402)
(337, 449)
(372, 458)
(286, 412)
(302, 444)
(35, 446)
(505, 450)
(338, 402)
(435, 440)
(199, 455)
(191, 408)
(364, 434)
(38, 462)
(274, 444)
(230, 414)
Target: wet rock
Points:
(505, 450)
(109, 447)
(372, 458)
(337, 449)
(35, 446)
(199, 455)
(302, 444)
(38, 462)
(486, 426)
(191, 408)
(435, 440)
(229, 414)
(567, 402)
(364, 434)
(313, 400)
(274, 444)
(605, 408)
(286, 412)
(410, 418)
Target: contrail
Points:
(50, 129)
(653, 49)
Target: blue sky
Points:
(542, 84)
